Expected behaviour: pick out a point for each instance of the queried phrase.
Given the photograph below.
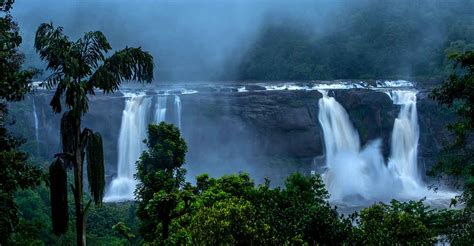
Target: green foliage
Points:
(127, 64)
(72, 62)
(161, 193)
(457, 92)
(95, 167)
(230, 221)
(101, 222)
(78, 68)
(15, 173)
(370, 39)
(409, 223)
(231, 210)
(35, 227)
(457, 159)
(300, 213)
(35, 217)
(457, 225)
(123, 230)
(14, 81)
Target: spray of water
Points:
(130, 146)
(360, 174)
(405, 135)
(352, 173)
(177, 105)
(160, 108)
(35, 117)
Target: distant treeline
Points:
(287, 40)
(381, 39)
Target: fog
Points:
(191, 39)
(209, 39)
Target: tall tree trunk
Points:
(78, 189)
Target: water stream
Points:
(35, 117)
(358, 173)
(135, 120)
(130, 145)
(160, 108)
(177, 105)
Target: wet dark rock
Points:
(372, 114)
(150, 93)
(175, 92)
(265, 133)
(208, 89)
(254, 88)
(228, 89)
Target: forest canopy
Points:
(272, 40)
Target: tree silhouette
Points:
(78, 68)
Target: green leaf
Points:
(127, 64)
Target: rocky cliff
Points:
(266, 133)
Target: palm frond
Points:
(52, 45)
(53, 79)
(94, 45)
(127, 64)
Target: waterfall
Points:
(35, 117)
(130, 146)
(405, 135)
(339, 134)
(177, 106)
(361, 174)
(160, 108)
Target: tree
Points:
(229, 221)
(232, 210)
(162, 193)
(400, 222)
(123, 230)
(78, 68)
(457, 158)
(223, 211)
(15, 173)
(457, 92)
(300, 213)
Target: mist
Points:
(211, 40)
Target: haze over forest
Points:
(269, 40)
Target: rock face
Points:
(433, 120)
(250, 131)
(372, 114)
(265, 133)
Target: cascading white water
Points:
(339, 134)
(177, 106)
(405, 135)
(160, 108)
(35, 116)
(353, 173)
(130, 146)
